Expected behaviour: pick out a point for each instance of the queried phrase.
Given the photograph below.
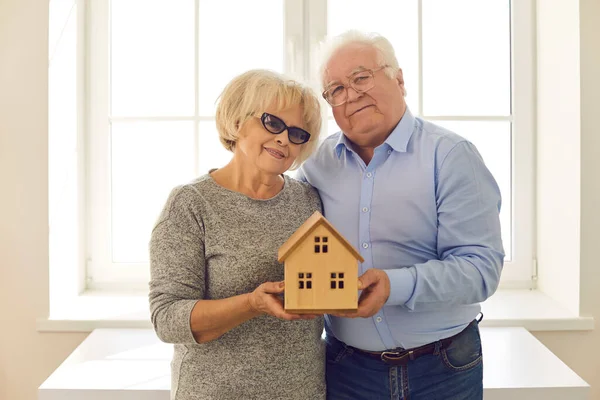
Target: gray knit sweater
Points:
(213, 243)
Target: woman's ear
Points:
(239, 128)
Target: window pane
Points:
(252, 37)
(62, 134)
(332, 128)
(61, 12)
(148, 160)
(466, 57)
(62, 72)
(152, 57)
(493, 141)
(396, 20)
(211, 153)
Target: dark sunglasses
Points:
(275, 125)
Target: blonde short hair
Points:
(385, 50)
(250, 93)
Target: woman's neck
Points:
(248, 181)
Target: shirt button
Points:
(365, 209)
(379, 319)
(369, 174)
(389, 152)
(366, 245)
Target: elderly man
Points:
(423, 209)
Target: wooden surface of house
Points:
(321, 269)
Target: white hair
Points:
(385, 50)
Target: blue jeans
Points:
(452, 373)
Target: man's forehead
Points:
(348, 60)
(331, 76)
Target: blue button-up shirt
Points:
(426, 211)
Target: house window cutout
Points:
(321, 248)
(304, 280)
(337, 280)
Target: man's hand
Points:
(375, 285)
(265, 300)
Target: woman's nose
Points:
(281, 139)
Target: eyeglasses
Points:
(361, 81)
(276, 125)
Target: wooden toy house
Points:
(321, 269)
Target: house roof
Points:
(305, 229)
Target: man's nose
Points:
(353, 94)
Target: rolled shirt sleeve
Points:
(469, 243)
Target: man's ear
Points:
(400, 79)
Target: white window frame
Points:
(305, 27)
(522, 270)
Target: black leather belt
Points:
(401, 356)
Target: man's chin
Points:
(365, 119)
(365, 128)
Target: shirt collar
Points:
(397, 140)
(342, 144)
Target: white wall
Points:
(28, 357)
(581, 350)
(558, 150)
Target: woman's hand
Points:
(265, 300)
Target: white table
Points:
(132, 364)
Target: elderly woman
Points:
(216, 283)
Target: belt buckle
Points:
(395, 356)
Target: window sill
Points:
(97, 309)
(530, 309)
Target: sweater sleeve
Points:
(177, 268)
